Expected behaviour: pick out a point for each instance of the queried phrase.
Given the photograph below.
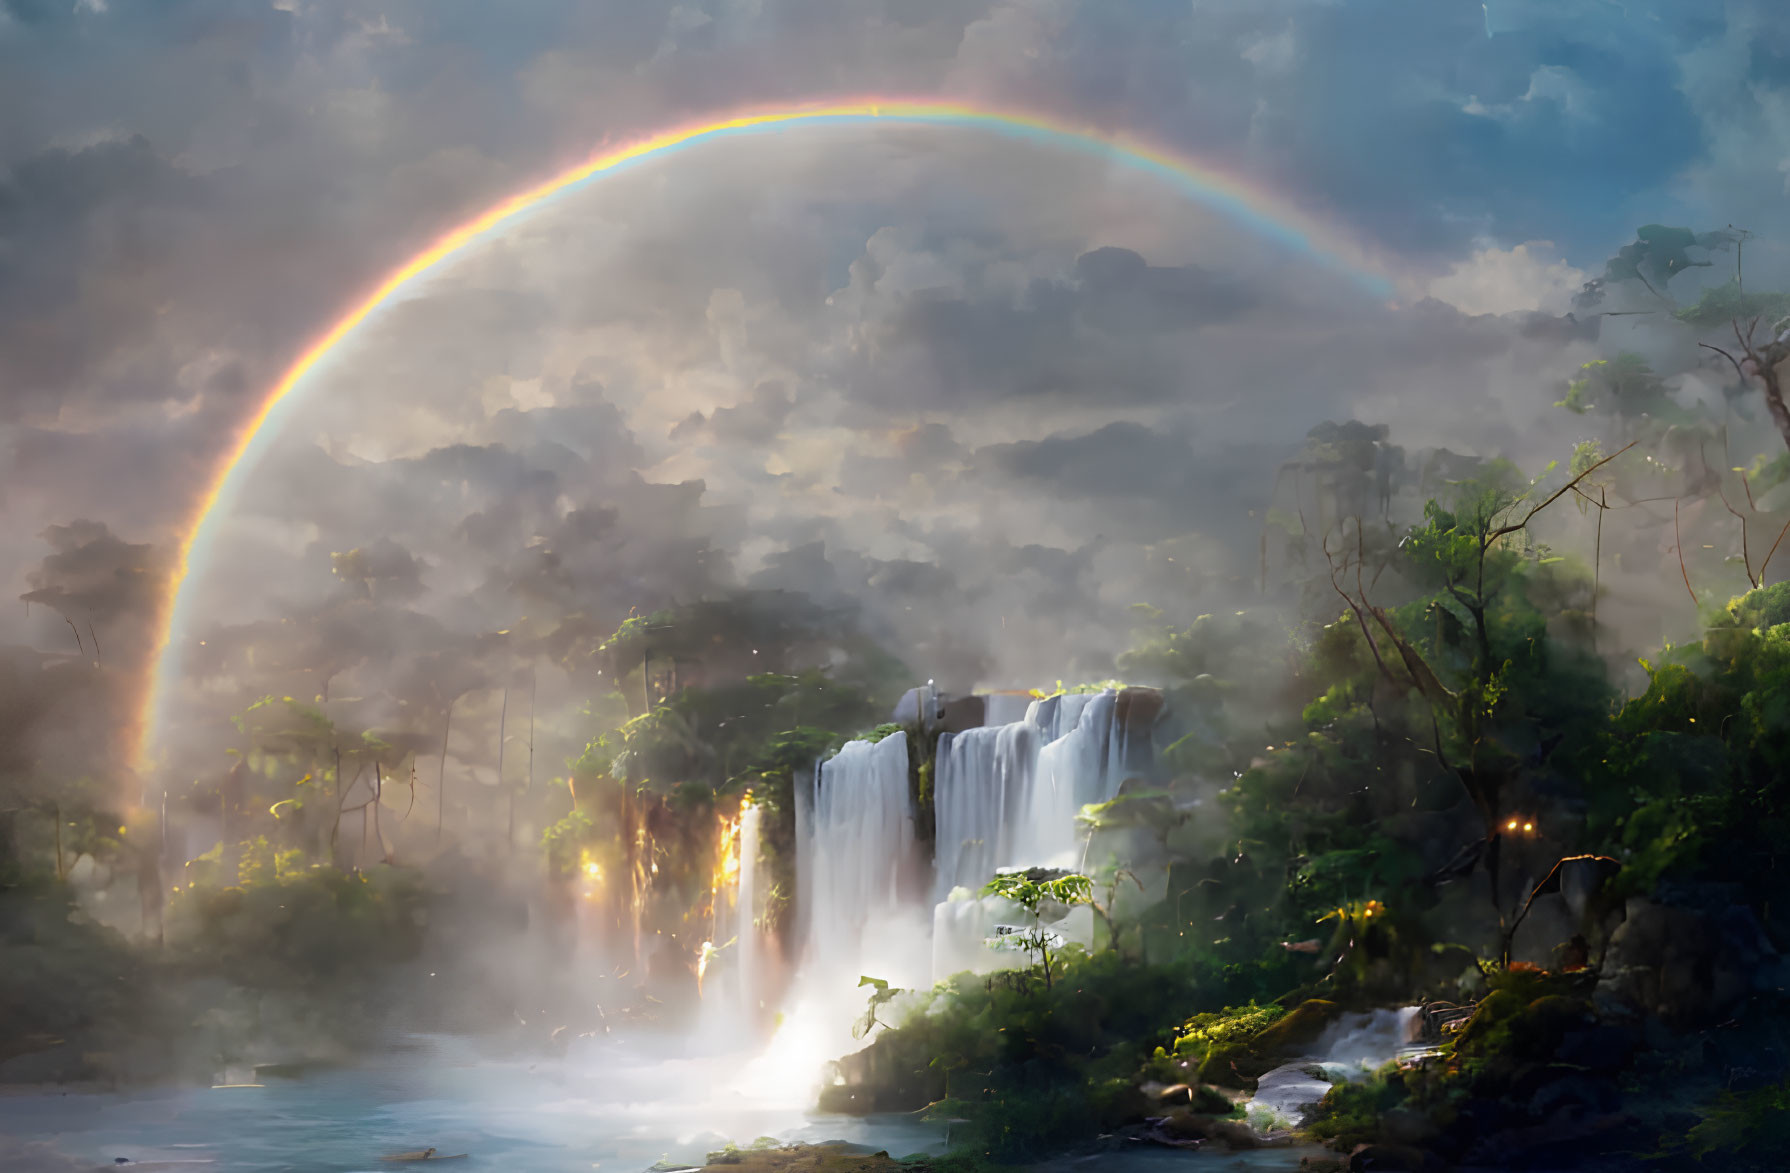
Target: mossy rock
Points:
(816, 1158)
(1226, 1130)
(1505, 1028)
(1298, 1030)
(1240, 1064)
(1236, 1066)
(1492, 1011)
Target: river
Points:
(618, 1108)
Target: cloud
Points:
(976, 387)
(753, 423)
(1500, 281)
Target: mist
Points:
(658, 649)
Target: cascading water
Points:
(981, 777)
(860, 850)
(1352, 1047)
(750, 960)
(1082, 761)
(1007, 796)
(857, 864)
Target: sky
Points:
(989, 393)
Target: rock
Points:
(1690, 965)
(1185, 1126)
(1598, 1048)
(1405, 1126)
(959, 713)
(1234, 1134)
(1560, 1141)
(1578, 1093)
(1298, 1030)
(1373, 1158)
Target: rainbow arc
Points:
(1227, 192)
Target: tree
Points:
(1472, 557)
(1761, 362)
(1657, 254)
(1032, 890)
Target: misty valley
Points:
(1409, 863)
(979, 586)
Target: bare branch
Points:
(1678, 544)
(1514, 526)
(1773, 550)
(1738, 369)
(1746, 557)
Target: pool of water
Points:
(619, 1109)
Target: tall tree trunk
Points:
(378, 800)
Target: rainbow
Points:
(1228, 193)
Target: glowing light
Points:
(1511, 826)
(593, 869)
(1528, 826)
(1233, 195)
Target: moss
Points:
(1225, 1028)
(1350, 1113)
(1298, 1029)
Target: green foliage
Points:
(294, 928)
(1086, 689)
(1031, 891)
(1033, 1069)
(1351, 1111)
(1723, 304)
(1225, 1028)
(563, 841)
(1625, 386)
(1659, 253)
(1747, 1132)
(881, 994)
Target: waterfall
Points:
(860, 852)
(1351, 1048)
(750, 962)
(1007, 796)
(1081, 762)
(980, 778)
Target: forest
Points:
(1502, 737)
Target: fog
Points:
(582, 554)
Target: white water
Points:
(1352, 1047)
(1082, 762)
(858, 879)
(1007, 795)
(752, 950)
(981, 777)
(860, 852)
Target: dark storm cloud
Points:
(1114, 330)
(1144, 483)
